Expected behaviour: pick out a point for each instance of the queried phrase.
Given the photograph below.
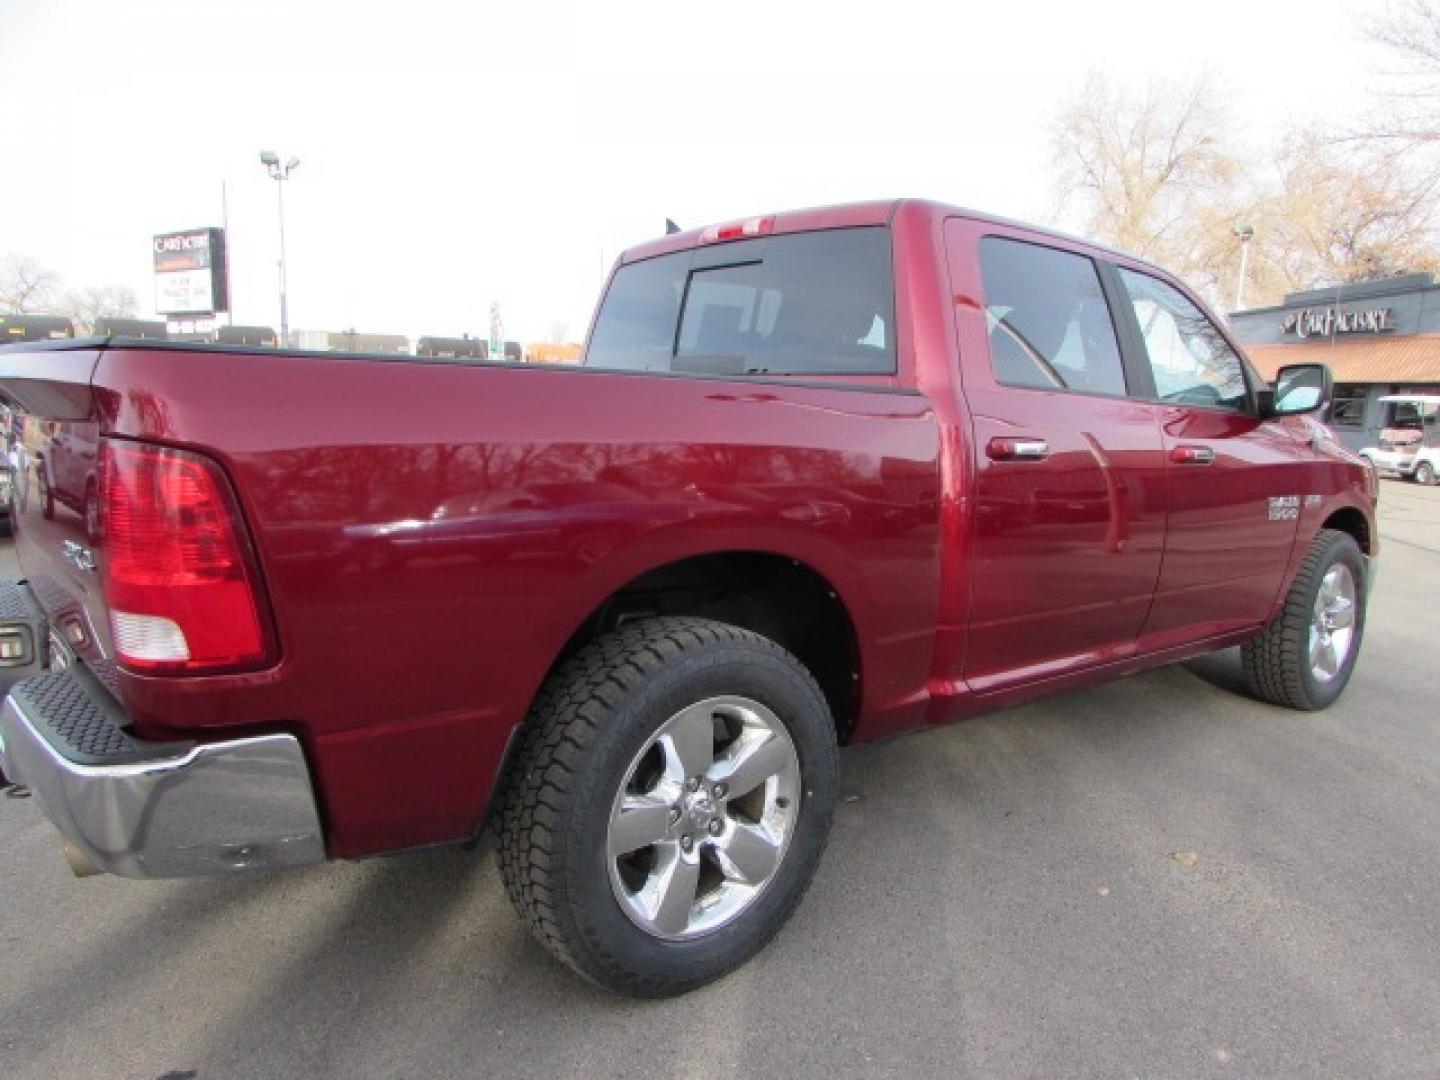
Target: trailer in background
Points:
(350, 341)
(15, 328)
(255, 336)
(130, 328)
(553, 354)
(448, 348)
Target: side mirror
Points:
(1299, 388)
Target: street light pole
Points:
(284, 292)
(1246, 233)
(280, 173)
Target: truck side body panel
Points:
(431, 537)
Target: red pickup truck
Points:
(823, 477)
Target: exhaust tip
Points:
(79, 863)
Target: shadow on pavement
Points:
(1221, 670)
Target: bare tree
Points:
(1339, 213)
(1411, 32)
(1149, 173)
(558, 332)
(93, 302)
(1135, 166)
(26, 286)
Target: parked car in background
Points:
(67, 473)
(824, 477)
(1411, 447)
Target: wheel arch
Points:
(1352, 521)
(777, 596)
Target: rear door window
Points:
(1049, 324)
(818, 303)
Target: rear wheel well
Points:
(772, 595)
(1351, 521)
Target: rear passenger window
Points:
(818, 303)
(636, 327)
(1191, 361)
(1049, 324)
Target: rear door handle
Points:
(1192, 455)
(1007, 448)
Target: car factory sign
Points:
(1324, 322)
(190, 273)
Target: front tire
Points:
(1304, 658)
(671, 801)
(1425, 473)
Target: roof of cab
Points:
(874, 212)
(845, 215)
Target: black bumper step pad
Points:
(76, 715)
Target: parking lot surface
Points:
(1158, 877)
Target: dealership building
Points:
(1379, 337)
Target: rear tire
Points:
(1425, 473)
(594, 722)
(1298, 660)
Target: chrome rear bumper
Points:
(155, 810)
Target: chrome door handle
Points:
(1192, 455)
(1007, 448)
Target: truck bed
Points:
(429, 535)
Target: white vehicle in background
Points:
(1411, 448)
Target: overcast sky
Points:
(458, 153)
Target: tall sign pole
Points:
(225, 229)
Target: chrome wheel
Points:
(1332, 625)
(703, 817)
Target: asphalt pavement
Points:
(1156, 878)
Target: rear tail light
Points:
(738, 230)
(180, 578)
